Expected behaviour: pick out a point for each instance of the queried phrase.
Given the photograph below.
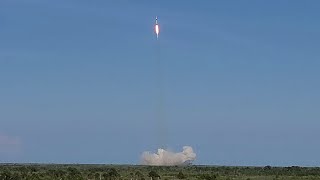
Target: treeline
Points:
(260, 171)
(124, 172)
(31, 172)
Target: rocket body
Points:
(156, 28)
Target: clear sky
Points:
(78, 81)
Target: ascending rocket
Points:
(156, 28)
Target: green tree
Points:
(208, 177)
(181, 175)
(90, 175)
(154, 175)
(74, 174)
(97, 175)
(113, 173)
(138, 175)
(6, 175)
(34, 176)
(105, 176)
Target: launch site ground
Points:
(137, 172)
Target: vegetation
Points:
(181, 175)
(127, 172)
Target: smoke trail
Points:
(161, 127)
(167, 158)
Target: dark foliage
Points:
(112, 172)
(181, 175)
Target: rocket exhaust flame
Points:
(156, 28)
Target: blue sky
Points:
(78, 80)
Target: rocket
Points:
(156, 28)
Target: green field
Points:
(136, 172)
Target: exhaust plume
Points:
(168, 158)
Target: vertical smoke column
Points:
(160, 109)
(163, 157)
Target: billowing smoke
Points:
(168, 158)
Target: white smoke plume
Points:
(168, 158)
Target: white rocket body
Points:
(156, 28)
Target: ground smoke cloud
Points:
(167, 158)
